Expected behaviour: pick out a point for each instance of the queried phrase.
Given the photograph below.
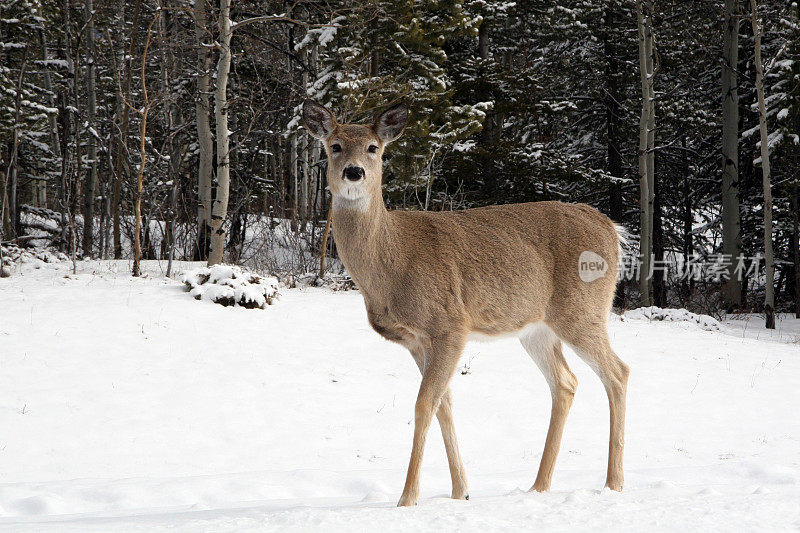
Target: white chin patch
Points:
(352, 196)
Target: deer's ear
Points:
(391, 123)
(319, 121)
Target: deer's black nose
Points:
(353, 173)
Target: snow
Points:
(58, 63)
(704, 322)
(230, 285)
(128, 406)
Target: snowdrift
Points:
(653, 313)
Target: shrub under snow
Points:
(229, 285)
(16, 259)
(705, 322)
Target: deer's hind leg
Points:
(544, 347)
(589, 339)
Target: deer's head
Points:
(354, 151)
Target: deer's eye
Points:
(372, 149)
(336, 148)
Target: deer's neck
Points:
(367, 241)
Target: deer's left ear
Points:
(391, 123)
(318, 119)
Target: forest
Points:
(170, 129)
(252, 251)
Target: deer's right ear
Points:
(319, 121)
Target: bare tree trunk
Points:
(220, 207)
(769, 294)
(171, 119)
(646, 240)
(487, 135)
(305, 158)
(659, 296)
(120, 158)
(796, 247)
(613, 154)
(324, 249)
(315, 151)
(205, 140)
(731, 238)
(5, 218)
(292, 162)
(40, 186)
(281, 176)
(12, 176)
(651, 129)
(686, 288)
(91, 177)
(269, 173)
(68, 141)
(145, 111)
(137, 204)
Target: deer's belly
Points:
(484, 336)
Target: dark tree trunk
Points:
(613, 155)
(796, 248)
(731, 231)
(91, 176)
(687, 284)
(659, 287)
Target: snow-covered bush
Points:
(16, 259)
(229, 285)
(705, 322)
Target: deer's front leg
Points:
(445, 416)
(442, 358)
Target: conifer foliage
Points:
(509, 101)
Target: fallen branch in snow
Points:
(230, 286)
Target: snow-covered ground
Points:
(126, 405)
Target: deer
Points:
(431, 281)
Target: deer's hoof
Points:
(407, 501)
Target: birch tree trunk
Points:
(220, 206)
(769, 292)
(645, 195)
(731, 238)
(91, 177)
(205, 140)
